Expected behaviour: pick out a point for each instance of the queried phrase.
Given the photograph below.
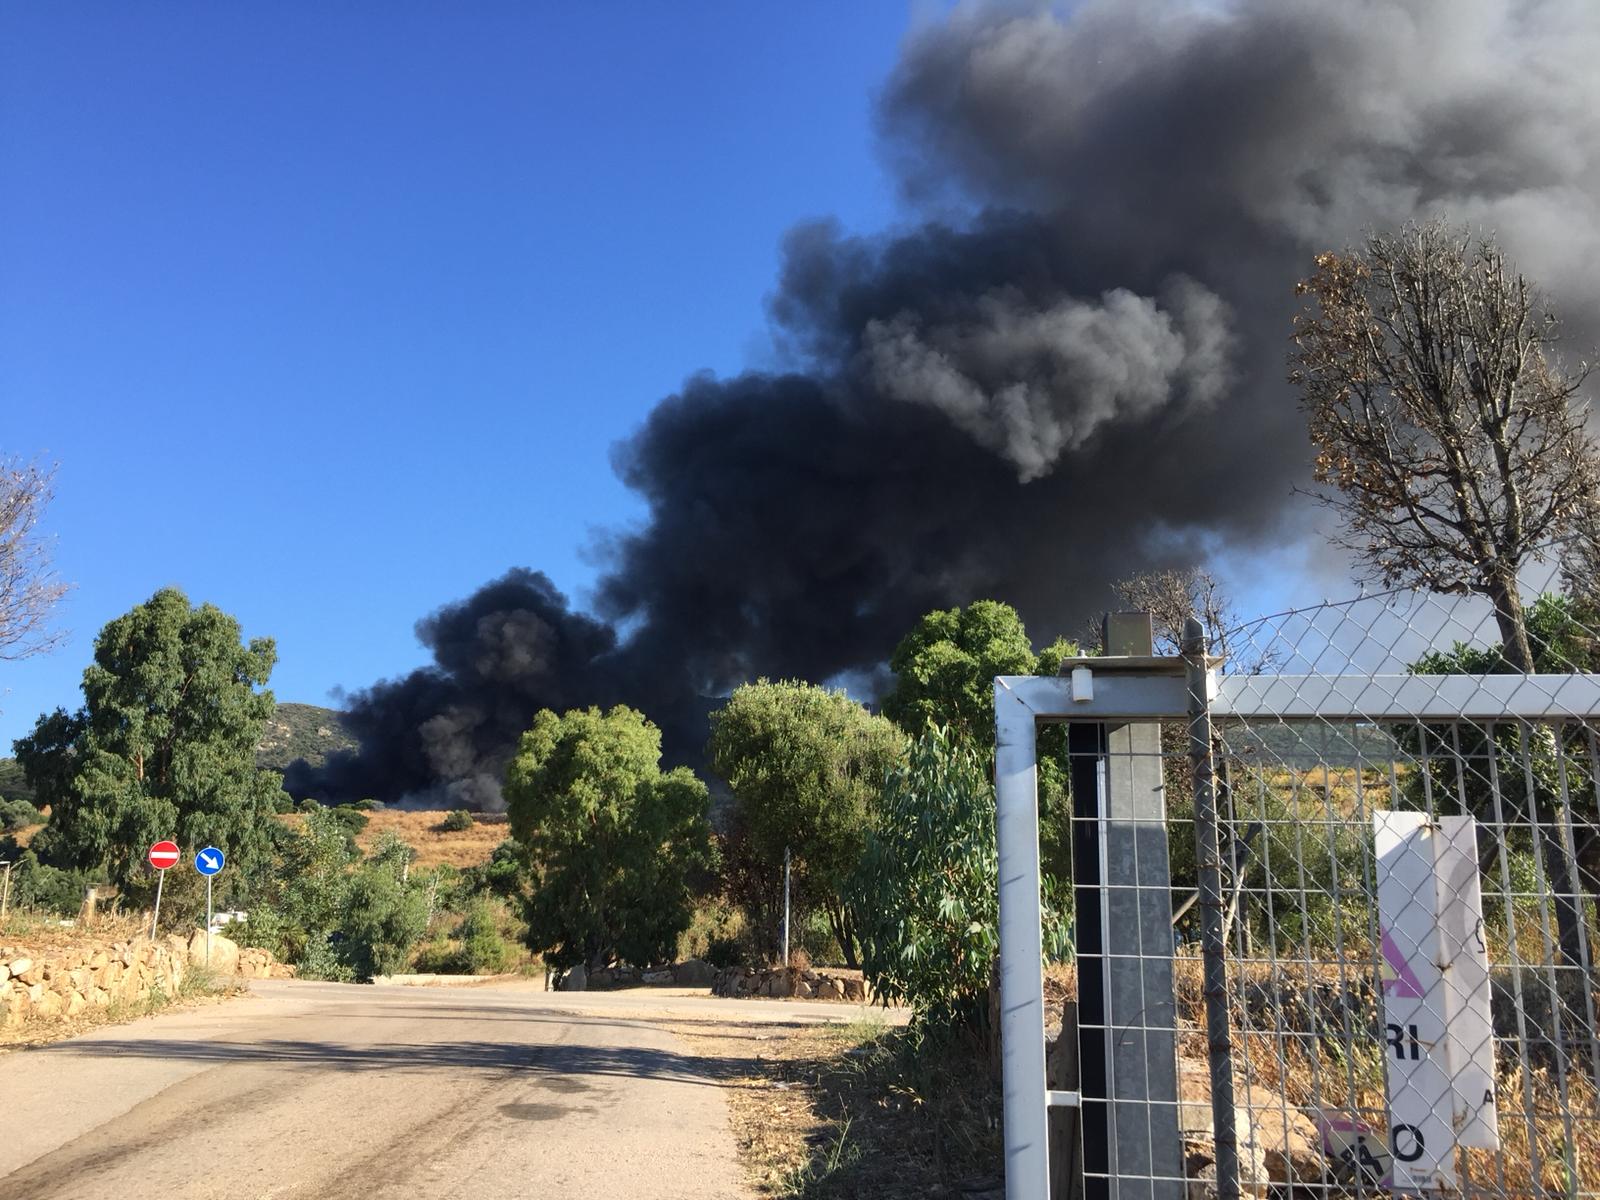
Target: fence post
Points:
(1213, 943)
(1132, 1146)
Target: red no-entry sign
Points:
(164, 855)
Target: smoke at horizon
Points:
(1071, 369)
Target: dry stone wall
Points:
(60, 982)
(810, 983)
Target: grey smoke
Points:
(1067, 367)
(1029, 383)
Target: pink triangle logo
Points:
(1398, 977)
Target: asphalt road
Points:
(326, 1091)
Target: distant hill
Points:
(301, 731)
(12, 784)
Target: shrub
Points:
(502, 874)
(54, 889)
(925, 890)
(456, 820)
(352, 820)
(383, 920)
(322, 960)
(18, 814)
(483, 950)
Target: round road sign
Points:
(208, 861)
(163, 855)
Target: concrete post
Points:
(1127, 1015)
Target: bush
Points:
(322, 960)
(483, 950)
(18, 814)
(456, 821)
(502, 874)
(714, 923)
(925, 890)
(52, 889)
(383, 920)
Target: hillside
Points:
(301, 731)
(434, 846)
(12, 784)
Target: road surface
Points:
(324, 1091)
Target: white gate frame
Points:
(1110, 689)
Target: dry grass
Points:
(39, 933)
(435, 847)
(832, 1111)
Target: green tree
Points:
(926, 885)
(164, 745)
(612, 843)
(382, 920)
(944, 675)
(805, 765)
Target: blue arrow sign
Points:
(209, 861)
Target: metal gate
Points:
(1335, 931)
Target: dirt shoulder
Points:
(855, 1109)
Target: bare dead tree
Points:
(1171, 597)
(29, 588)
(1449, 437)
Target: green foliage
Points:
(346, 917)
(51, 889)
(349, 818)
(715, 934)
(926, 885)
(18, 814)
(322, 960)
(805, 765)
(612, 842)
(945, 667)
(944, 675)
(14, 781)
(164, 745)
(457, 820)
(383, 920)
(483, 950)
(502, 875)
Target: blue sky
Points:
(329, 313)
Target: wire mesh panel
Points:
(1407, 909)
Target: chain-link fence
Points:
(1336, 924)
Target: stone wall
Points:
(809, 983)
(57, 982)
(691, 973)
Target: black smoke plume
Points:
(1071, 369)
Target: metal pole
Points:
(208, 922)
(1212, 939)
(786, 907)
(156, 915)
(1026, 1115)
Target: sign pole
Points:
(208, 922)
(155, 916)
(786, 907)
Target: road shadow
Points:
(499, 1057)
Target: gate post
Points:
(1021, 948)
(1214, 946)
(1123, 890)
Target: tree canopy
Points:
(945, 667)
(164, 745)
(1445, 427)
(612, 843)
(805, 765)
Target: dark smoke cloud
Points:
(1071, 370)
